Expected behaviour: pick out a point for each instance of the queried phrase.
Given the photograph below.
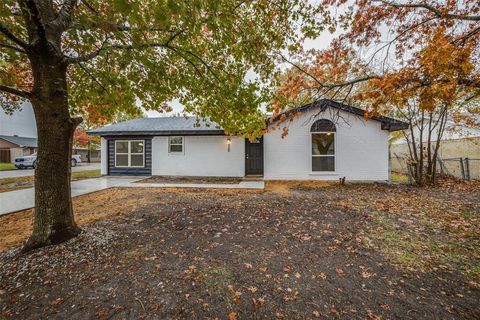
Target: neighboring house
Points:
(14, 146)
(18, 133)
(327, 141)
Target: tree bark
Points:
(53, 220)
(89, 154)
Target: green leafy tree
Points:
(64, 54)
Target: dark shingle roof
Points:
(21, 141)
(389, 124)
(189, 126)
(160, 126)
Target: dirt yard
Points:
(295, 251)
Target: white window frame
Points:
(129, 154)
(176, 144)
(334, 155)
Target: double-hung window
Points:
(175, 144)
(129, 153)
(323, 146)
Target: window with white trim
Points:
(175, 144)
(130, 153)
(323, 146)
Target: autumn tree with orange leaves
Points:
(409, 59)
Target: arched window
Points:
(323, 146)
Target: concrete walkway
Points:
(258, 185)
(24, 199)
(30, 172)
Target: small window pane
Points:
(176, 140)
(323, 125)
(136, 147)
(136, 160)
(121, 160)
(323, 163)
(176, 148)
(323, 144)
(121, 146)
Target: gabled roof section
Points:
(389, 124)
(160, 126)
(21, 141)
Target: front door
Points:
(254, 157)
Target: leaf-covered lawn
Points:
(429, 228)
(295, 251)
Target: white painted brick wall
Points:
(103, 156)
(203, 156)
(361, 150)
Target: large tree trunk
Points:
(53, 221)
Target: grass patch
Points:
(7, 166)
(17, 183)
(424, 244)
(285, 186)
(218, 281)
(398, 177)
(85, 174)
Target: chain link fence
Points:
(461, 168)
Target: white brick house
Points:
(327, 141)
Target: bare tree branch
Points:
(190, 62)
(65, 14)
(470, 82)
(200, 59)
(329, 86)
(4, 45)
(103, 47)
(350, 82)
(299, 68)
(92, 77)
(398, 36)
(430, 8)
(17, 92)
(463, 39)
(88, 56)
(90, 7)
(34, 22)
(85, 57)
(12, 37)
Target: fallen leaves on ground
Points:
(307, 253)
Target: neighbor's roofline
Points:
(14, 140)
(388, 123)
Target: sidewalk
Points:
(31, 172)
(24, 199)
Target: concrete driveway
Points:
(30, 172)
(24, 199)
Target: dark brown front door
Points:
(254, 156)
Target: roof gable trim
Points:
(388, 124)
